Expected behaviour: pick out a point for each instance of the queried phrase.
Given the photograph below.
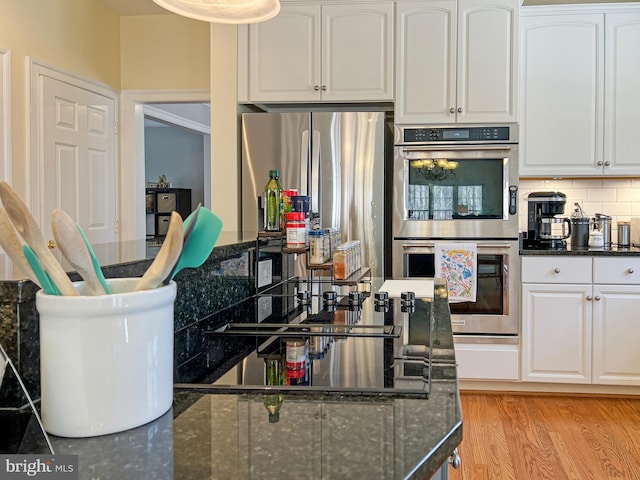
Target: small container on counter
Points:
(346, 260)
(296, 230)
(580, 231)
(317, 241)
(624, 234)
(603, 224)
(300, 203)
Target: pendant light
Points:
(223, 11)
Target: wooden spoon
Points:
(167, 256)
(12, 246)
(71, 244)
(27, 227)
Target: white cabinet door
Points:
(357, 52)
(456, 61)
(426, 36)
(284, 56)
(556, 333)
(622, 102)
(561, 86)
(616, 323)
(487, 61)
(331, 53)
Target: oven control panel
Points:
(480, 134)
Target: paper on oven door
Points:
(421, 288)
(457, 264)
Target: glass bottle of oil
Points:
(272, 195)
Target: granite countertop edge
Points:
(584, 252)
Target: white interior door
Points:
(78, 164)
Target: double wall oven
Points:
(460, 184)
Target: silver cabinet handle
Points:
(598, 298)
(556, 270)
(589, 297)
(455, 459)
(452, 110)
(630, 270)
(316, 88)
(324, 88)
(600, 163)
(607, 163)
(459, 109)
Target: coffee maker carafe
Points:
(545, 228)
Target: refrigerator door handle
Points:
(304, 163)
(316, 186)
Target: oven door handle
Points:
(456, 148)
(432, 245)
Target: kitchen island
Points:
(220, 427)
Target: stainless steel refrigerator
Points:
(337, 158)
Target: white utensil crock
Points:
(106, 361)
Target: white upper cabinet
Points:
(456, 61)
(579, 102)
(622, 100)
(323, 52)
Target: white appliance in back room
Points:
(336, 158)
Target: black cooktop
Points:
(331, 339)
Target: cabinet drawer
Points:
(556, 269)
(618, 270)
(487, 362)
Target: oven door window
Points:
(491, 298)
(445, 189)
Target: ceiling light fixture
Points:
(223, 11)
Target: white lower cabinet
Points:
(616, 333)
(556, 333)
(585, 331)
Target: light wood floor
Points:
(533, 437)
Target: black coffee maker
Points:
(545, 228)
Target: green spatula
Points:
(199, 243)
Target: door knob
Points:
(630, 270)
(556, 270)
(316, 88)
(452, 110)
(459, 109)
(589, 297)
(607, 163)
(597, 298)
(600, 163)
(324, 88)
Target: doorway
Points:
(177, 145)
(135, 106)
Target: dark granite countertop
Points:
(227, 435)
(140, 253)
(587, 252)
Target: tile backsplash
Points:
(618, 198)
